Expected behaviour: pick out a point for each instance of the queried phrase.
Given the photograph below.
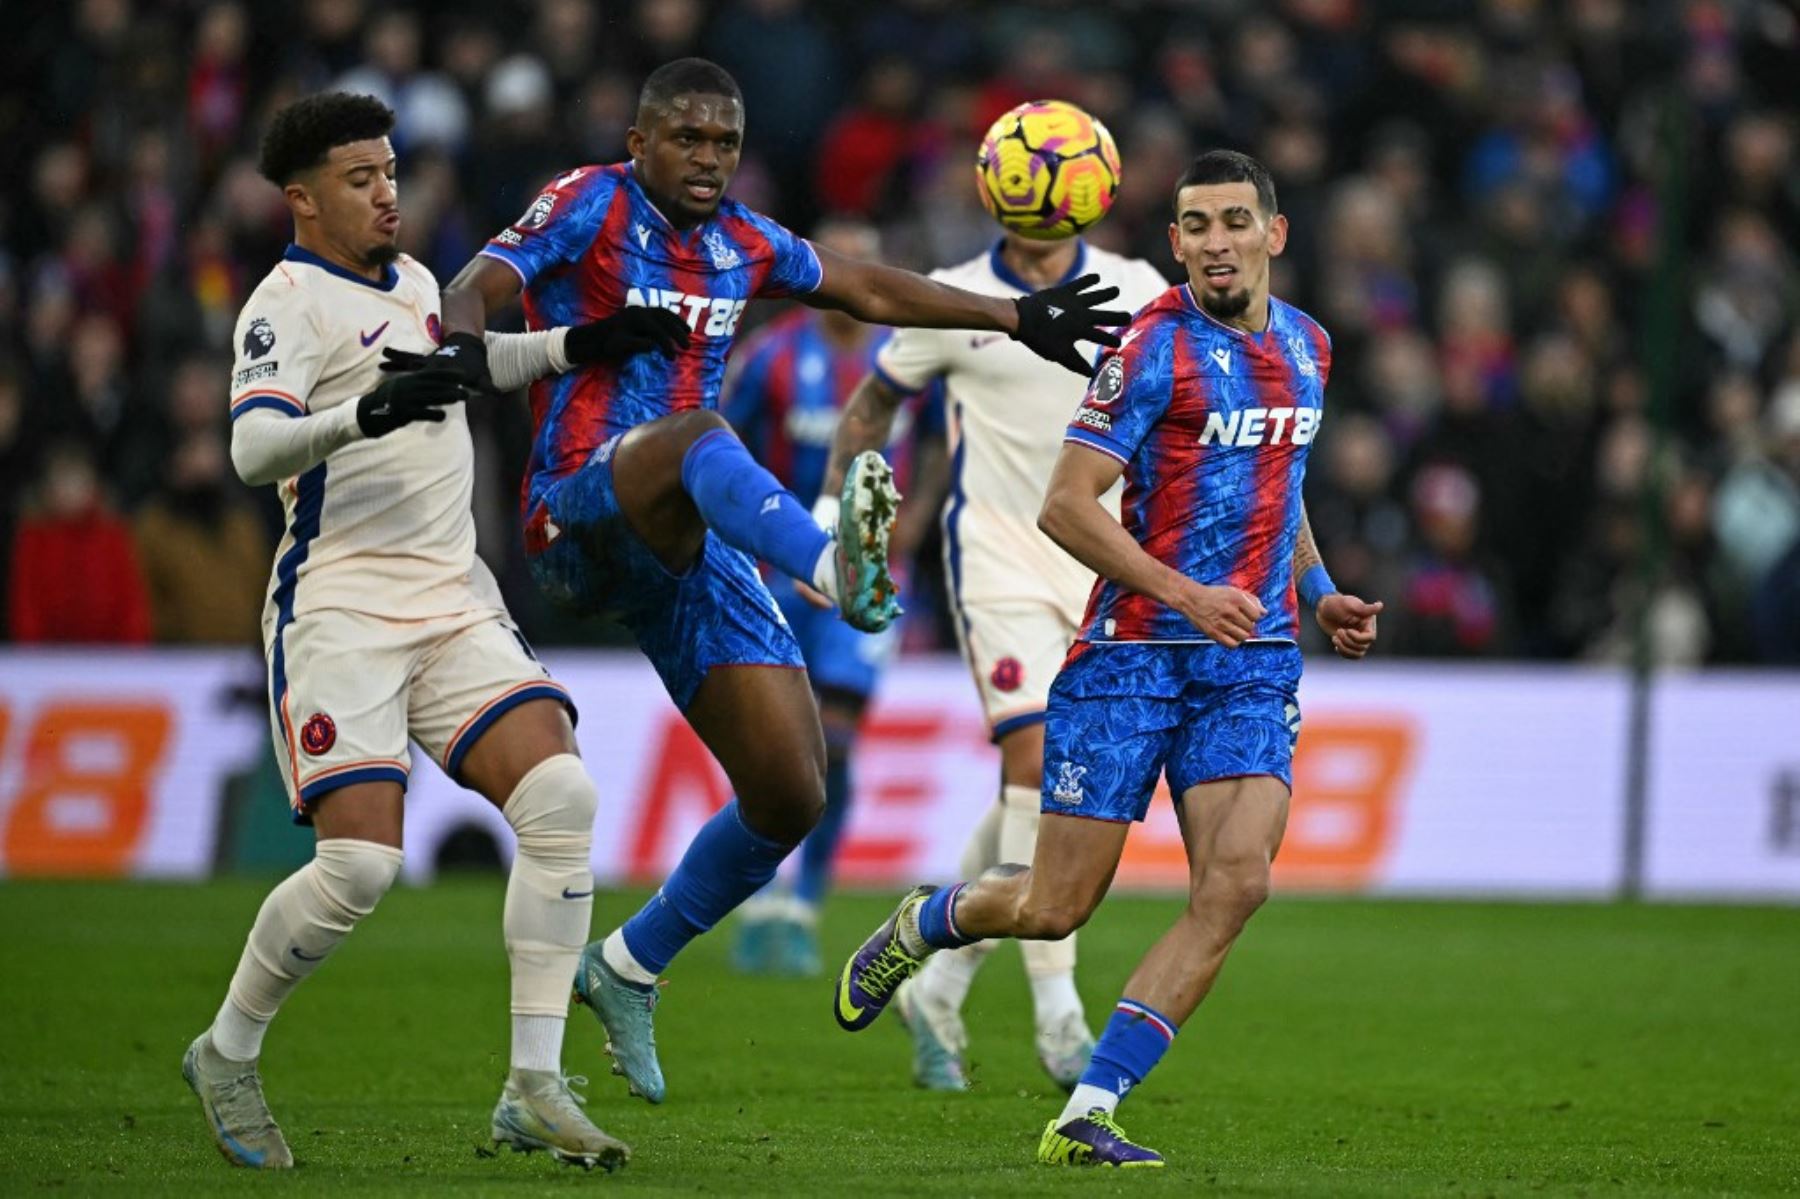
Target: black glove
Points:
(405, 398)
(626, 332)
(463, 353)
(1053, 320)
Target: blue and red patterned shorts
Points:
(1123, 712)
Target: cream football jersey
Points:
(1009, 409)
(380, 526)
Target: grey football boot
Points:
(231, 1098)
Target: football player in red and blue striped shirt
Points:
(1187, 664)
(642, 504)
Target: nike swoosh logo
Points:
(568, 894)
(368, 339)
(306, 957)
(975, 343)
(847, 1011)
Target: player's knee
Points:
(354, 875)
(1231, 892)
(788, 813)
(690, 426)
(552, 809)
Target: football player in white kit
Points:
(383, 624)
(1017, 598)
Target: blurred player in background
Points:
(783, 395)
(382, 623)
(1017, 598)
(1187, 662)
(641, 503)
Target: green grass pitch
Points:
(1351, 1048)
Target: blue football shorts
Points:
(716, 613)
(1124, 712)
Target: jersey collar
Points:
(390, 276)
(1006, 274)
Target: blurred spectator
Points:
(74, 575)
(1451, 601)
(204, 554)
(428, 108)
(868, 142)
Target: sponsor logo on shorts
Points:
(1007, 674)
(250, 374)
(318, 734)
(1068, 784)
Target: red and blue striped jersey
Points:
(1213, 426)
(593, 244)
(787, 388)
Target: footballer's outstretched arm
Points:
(1049, 322)
(1073, 517)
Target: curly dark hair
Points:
(304, 132)
(1229, 166)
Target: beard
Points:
(1229, 306)
(381, 254)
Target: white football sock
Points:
(1084, 1099)
(549, 901)
(618, 956)
(537, 1042)
(1054, 999)
(1018, 843)
(944, 982)
(825, 573)
(300, 923)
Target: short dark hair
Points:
(1228, 166)
(303, 133)
(686, 77)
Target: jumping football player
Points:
(383, 624)
(783, 395)
(1016, 595)
(640, 501)
(1187, 663)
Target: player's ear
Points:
(1175, 242)
(300, 200)
(1278, 231)
(636, 143)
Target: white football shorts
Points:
(347, 690)
(1014, 649)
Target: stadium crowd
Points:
(1554, 244)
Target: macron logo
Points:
(643, 236)
(1222, 356)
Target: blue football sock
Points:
(819, 849)
(937, 919)
(749, 508)
(1134, 1041)
(725, 864)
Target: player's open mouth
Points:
(1221, 276)
(387, 222)
(703, 189)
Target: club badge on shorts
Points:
(318, 734)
